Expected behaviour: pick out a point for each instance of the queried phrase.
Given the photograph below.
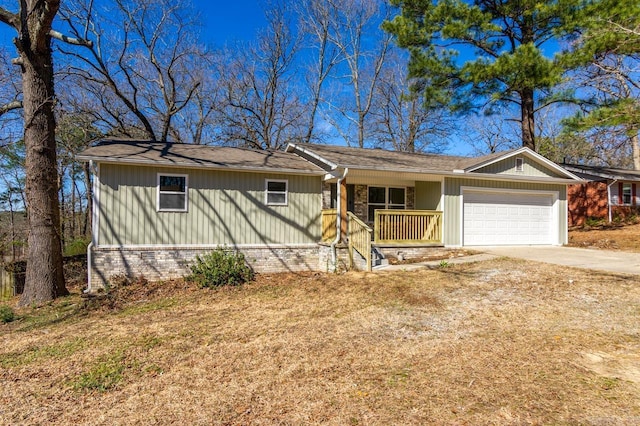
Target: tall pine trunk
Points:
(635, 149)
(527, 120)
(44, 277)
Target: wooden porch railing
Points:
(359, 239)
(329, 221)
(408, 227)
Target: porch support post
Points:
(343, 209)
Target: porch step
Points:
(377, 257)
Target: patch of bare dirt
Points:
(623, 364)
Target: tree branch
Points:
(8, 18)
(13, 105)
(70, 40)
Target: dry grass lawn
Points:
(625, 238)
(498, 342)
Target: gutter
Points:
(609, 198)
(88, 290)
(94, 225)
(204, 164)
(334, 255)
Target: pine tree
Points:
(504, 41)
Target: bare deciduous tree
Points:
(143, 69)
(261, 108)
(490, 133)
(402, 121)
(611, 116)
(316, 25)
(363, 58)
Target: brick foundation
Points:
(157, 264)
(411, 252)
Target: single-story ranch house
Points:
(606, 193)
(312, 207)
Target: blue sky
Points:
(230, 21)
(222, 21)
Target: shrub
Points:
(593, 222)
(6, 314)
(220, 267)
(76, 247)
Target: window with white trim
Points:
(276, 192)
(519, 164)
(172, 192)
(385, 198)
(626, 193)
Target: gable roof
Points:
(380, 159)
(189, 155)
(526, 152)
(602, 173)
(332, 157)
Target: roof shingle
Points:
(379, 159)
(189, 155)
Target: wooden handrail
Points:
(408, 227)
(359, 239)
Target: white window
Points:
(385, 199)
(626, 193)
(519, 164)
(276, 192)
(172, 192)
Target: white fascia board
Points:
(291, 147)
(512, 178)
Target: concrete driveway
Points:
(600, 260)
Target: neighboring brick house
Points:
(608, 193)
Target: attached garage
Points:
(494, 217)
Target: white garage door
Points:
(505, 218)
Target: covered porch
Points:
(374, 211)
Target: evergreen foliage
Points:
(504, 41)
(604, 48)
(220, 267)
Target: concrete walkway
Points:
(600, 260)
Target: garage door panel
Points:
(496, 218)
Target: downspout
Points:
(609, 199)
(90, 246)
(89, 249)
(334, 255)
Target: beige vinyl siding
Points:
(428, 195)
(529, 166)
(452, 204)
(223, 208)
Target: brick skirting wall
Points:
(157, 264)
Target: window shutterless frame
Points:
(172, 192)
(385, 197)
(626, 194)
(519, 164)
(276, 192)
